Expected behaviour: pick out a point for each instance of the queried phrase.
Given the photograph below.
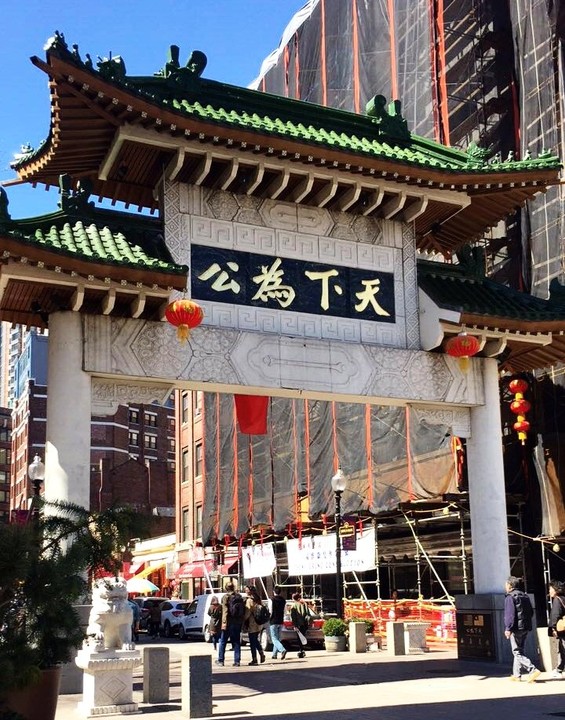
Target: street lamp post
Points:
(339, 483)
(36, 473)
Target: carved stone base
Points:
(108, 682)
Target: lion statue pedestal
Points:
(108, 656)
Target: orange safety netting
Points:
(440, 616)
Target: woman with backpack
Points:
(252, 625)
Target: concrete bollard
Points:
(357, 637)
(156, 675)
(197, 686)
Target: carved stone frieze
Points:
(458, 420)
(276, 364)
(108, 395)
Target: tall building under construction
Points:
(484, 73)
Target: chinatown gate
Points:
(300, 229)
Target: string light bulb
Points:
(556, 548)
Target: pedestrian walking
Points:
(253, 625)
(518, 613)
(136, 614)
(154, 619)
(215, 623)
(300, 617)
(233, 614)
(556, 624)
(278, 604)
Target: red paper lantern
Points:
(463, 347)
(522, 426)
(518, 386)
(520, 406)
(185, 315)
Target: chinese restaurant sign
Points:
(232, 276)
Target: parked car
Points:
(145, 605)
(195, 621)
(289, 637)
(171, 612)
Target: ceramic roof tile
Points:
(93, 242)
(452, 287)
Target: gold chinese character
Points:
(367, 296)
(325, 278)
(271, 286)
(223, 281)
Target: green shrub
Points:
(334, 627)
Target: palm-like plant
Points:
(45, 569)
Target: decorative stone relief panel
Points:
(276, 364)
(223, 220)
(458, 419)
(107, 395)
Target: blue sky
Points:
(236, 35)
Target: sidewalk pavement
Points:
(344, 686)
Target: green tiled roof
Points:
(456, 287)
(104, 238)
(382, 133)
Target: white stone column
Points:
(67, 448)
(489, 533)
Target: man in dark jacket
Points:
(231, 625)
(277, 618)
(518, 613)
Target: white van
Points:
(194, 623)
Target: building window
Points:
(150, 420)
(5, 456)
(172, 465)
(134, 438)
(185, 525)
(185, 406)
(172, 425)
(198, 460)
(150, 441)
(4, 435)
(197, 403)
(198, 522)
(134, 416)
(185, 466)
(172, 445)
(3, 477)
(3, 496)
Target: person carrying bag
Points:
(300, 616)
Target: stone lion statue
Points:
(111, 617)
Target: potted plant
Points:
(45, 566)
(334, 630)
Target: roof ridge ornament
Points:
(389, 119)
(74, 201)
(477, 156)
(183, 77)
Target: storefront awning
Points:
(227, 566)
(151, 569)
(195, 569)
(135, 568)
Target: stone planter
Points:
(335, 643)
